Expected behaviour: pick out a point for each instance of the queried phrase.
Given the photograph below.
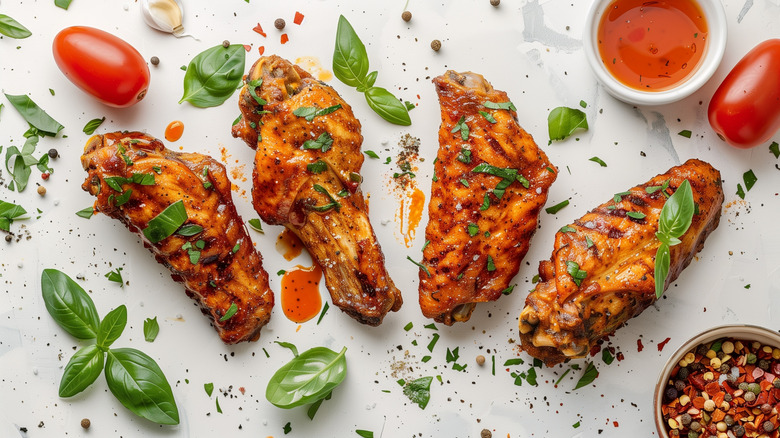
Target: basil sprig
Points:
(563, 121)
(213, 75)
(133, 377)
(350, 65)
(12, 28)
(307, 378)
(10, 212)
(674, 221)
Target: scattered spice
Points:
(406, 16)
(261, 50)
(435, 45)
(259, 29)
(486, 434)
(226, 44)
(155, 60)
(495, 2)
(663, 343)
(85, 423)
(53, 153)
(285, 38)
(41, 190)
(480, 360)
(279, 23)
(298, 18)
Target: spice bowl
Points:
(701, 397)
(641, 52)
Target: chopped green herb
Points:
(316, 167)
(189, 230)
(491, 266)
(281, 272)
(563, 121)
(209, 388)
(685, 133)
(567, 229)
(323, 142)
(473, 229)
(256, 225)
(431, 326)
(371, 154)
(236, 248)
(365, 433)
(287, 428)
(151, 329)
(557, 207)
(462, 127)
(419, 391)
(464, 182)
(635, 215)
(310, 112)
(562, 376)
(427, 242)
(433, 342)
(420, 265)
(513, 362)
(588, 376)
(489, 117)
(8, 213)
(607, 356)
(583, 104)
(92, 125)
(408, 327)
(425, 359)
(750, 179)
(774, 148)
(598, 160)
(230, 312)
(324, 311)
(508, 290)
(333, 202)
(464, 156)
(588, 241)
(86, 213)
(740, 191)
(485, 203)
(499, 105)
(409, 105)
(115, 276)
(577, 274)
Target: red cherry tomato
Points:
(107, 67)
(745, 109)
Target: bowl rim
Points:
(717, 25)
(736, 331)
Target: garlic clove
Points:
(163, 15)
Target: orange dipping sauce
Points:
(301, 300)
(652, 45)
(174, 130)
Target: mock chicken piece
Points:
(601, 273)
(180, 205)
(491, 181)
(307, 178)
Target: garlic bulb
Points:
(163, 15)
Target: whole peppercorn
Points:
(776, 383)
(727, 398)
(763, 364)
(749, 397)
(729, 420)
(155, 60)
(725, 368)
(696, 366)
(685, 419)
(435, 45)
(695, 426)
(407, 16)
(679, 385)
(495, 2)
(41, 190)
(683, 373)
(486, 434)
(739, 431)
(693, 434)
(85, 423)
(670, 393)
(766, 408)
(279, 23)
(768, 426)
(9, 237)
(53, 153)
(226, 44)
(480, 360)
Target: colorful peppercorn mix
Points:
(726, 389)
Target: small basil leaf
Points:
(69, 305)
(92, 125)
(563, 121)
(419, 391)
(62, 3)
(256, 225)
(34, 115)
(588, 376)
(307, 378)
(677, 212)
(387, 106)
(12, 28)
(350, 60)
(166, 222)
(81, 371)
(289, 346)
(111, 327)
(213, 75)
(370, 79)
(151, 329)
(189, 230)
(10, 212)
(662, 261)
(139, 384)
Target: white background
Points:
(530, 49)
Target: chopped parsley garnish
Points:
(588, 241)
(485, 203)
(420, 265)
(371, 154)
(230, 312)
(491, 266)
(464, 156)
(323, 142)
(508, 290)
(473, 229)
(557, 207)
(577, 274)
(316, 167)
(598, 160)
(166, 222)
(750, 179)
(567, 229)
(333, 202)
(310, 112)
(489, 117)
(116, 276)
(462, 127)
(685, 133)
(500, 105)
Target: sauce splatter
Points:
(409, 215)
(174, 130)
(312, 65)
(289, 245)
(301, 300)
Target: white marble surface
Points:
(530, 49)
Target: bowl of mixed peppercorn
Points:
(723, 383)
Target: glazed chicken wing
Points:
(563, 319)
(136, 179)
(491, 181)
(306, 177)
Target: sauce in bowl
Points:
(652, 45)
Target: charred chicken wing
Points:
(306, 177)
(180, 205)
(601, 273)
(490, 182)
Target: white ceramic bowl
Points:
(716, 45)
(737, 331)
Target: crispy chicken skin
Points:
(562, 320)
(323, 206)
(474, 252)
(229, 269)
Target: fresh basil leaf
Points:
(607, 356)
(139, 384)
(333, 202)
(12, 28)
(588, 376)
(290, 346)
(34, 115)
(635, 215)
(324, 311)
(115, 276)
(86, 212)
(489, 117)
(69, 305)
(677, 212)
(256, 225)
(252, 87)
(662, 262)
(62, 3)
(750, 179)
(323, 142)
(151, 329)
(166, 222)
(111, 327)
(307, 378)
(81, 371)
(371, 154)
(213, 75)
(209, 388)
(189, 230)
(310, 112)
(419, 391)
(512, 362)
(17, 167)
(365, 433)
(685, 133)
(230, 312)
(92, 125)
(774, 148)
(577, 274)
(462, 127)
(598, 160)
(350, 60)
(499, 105)
(8, 213)
(388, 106)
(563, 121)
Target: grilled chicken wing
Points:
(306, 177)
(561, 319)
(491, 181)
(135, 178)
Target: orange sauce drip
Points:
(652, 45)
(301, 300)
(410, 214)
(174, 130)
(289, 245)
(312, 65)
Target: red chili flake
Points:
(259, 29)
(45, 176)
(595, 349)
(620, 356)
(615, 423)
(661, 345)
(298, 18)
(285, 38)
(242, 390)
(639, 345)
(261, 49)
(247, 47)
